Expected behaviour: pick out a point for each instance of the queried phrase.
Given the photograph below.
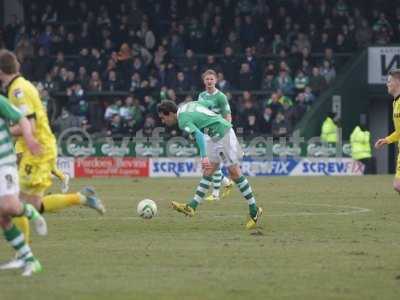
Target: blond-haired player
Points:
(216, 101)
(393, 88)
(35, 172)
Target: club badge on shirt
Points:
(18, 93)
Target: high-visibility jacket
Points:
(329, 131)
(360, 144)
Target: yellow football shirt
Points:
(395, 136)
(24, 95)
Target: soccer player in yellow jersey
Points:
(35, 171)
(393, 87)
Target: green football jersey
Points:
(194, 115)
(216, 102)
(7, 113)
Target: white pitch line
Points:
(351, 210)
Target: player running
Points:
(217, 102)
(223, 147)
(10, 206)
(393, 88)
(35, 171)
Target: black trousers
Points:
(369, 165)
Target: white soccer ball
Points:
(147, 209)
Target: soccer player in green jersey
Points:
(216, 101)
(223, 147)
(10, 206)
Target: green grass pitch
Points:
(320, 238)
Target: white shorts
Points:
(9, 183)
(226, 150)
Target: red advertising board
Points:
(111, 167)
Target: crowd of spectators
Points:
(273, 58)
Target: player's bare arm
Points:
(25, 128)
(16, 129)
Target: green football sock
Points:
(216, 180)
(16, 239)
(201, 190)
(253, 210)
(247, 193)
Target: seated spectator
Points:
(131, 114)
(299, 108)
(189, 63)
(215, 40)
(328, 55)
(328, 71)
(273, 103)
(147, 35)
(287, 111)
(363, 34)
(181, 84)
(95, 83)
(70, 45)
(85, 126)
(58, 39)
(382, 24)
(115, 127)
(70, 77)
(49, 83)
(222, 84)
(317, 81)
(123, 59)
(83, 59)
(246, 110)
(342, 45)
(283, 99)
(150, 105)
(113, 109)
(284, 82)
(83, 77)
(300, 81)
(280, 126)
(267, 119)
(251, 60)
(41, 64)
(65, 121)
(96, 60)
(171, 95)
(310, 97)
(176, 47)
(247, 80)
(149, 125)
(139, 67)
(125, 53)
(45, 38)
(135, 82)
(211, 63)
(229, 65)
(113, 83)
(268, 82)
(77, 103)
(233, 43)
(262, 47)
(251, 125)
(108, 47)
(62, 79)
